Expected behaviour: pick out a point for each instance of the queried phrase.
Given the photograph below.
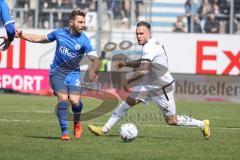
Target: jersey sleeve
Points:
(6, 15)
(52, 36)
(89, 48)
(10, 28)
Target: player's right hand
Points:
(120, 65)
(5, 44)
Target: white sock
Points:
(119, 112)
(183, 120)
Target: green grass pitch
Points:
(29, 130)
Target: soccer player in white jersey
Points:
(71, 45)
(157, 84)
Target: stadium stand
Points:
(164, 14)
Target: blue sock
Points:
(77, 109)
(62, 113)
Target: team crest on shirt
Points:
(78, 46)
(10, 12)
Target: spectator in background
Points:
(43, 16)
(23, 4)
(203, 10)
(54, 4)
(126, 10)
(215, 8)
(212, 25)
(138, 3)
(179, 25)
(84, 5)
(196, 24)
(224, 6)
(66, 5)
(116, 8)
(188, 11)
(191, 7)
(110, 5)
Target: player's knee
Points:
(75, 102)
(62, 97)
(131, 101)
(62, 104)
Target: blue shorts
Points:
(66, 83)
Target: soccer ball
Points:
(128, 132)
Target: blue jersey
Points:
(69, 50)
(6, 18)
(5, 13)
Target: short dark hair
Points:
(144, 23)
(76, 12)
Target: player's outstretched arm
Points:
(10, 29)
(35, 38)
(132, 64)
(143, 70)
(142, 64)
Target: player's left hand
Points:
(93, 76)
(5, 44)
(119, 65)
(18, 33)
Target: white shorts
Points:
(164, 99)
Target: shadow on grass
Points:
(44, 137)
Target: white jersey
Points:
(159, 74)
(158, 83)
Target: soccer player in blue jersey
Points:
(7, 21)
(72, 44)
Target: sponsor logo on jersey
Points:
(67, 51)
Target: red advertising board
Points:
(25, 80)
